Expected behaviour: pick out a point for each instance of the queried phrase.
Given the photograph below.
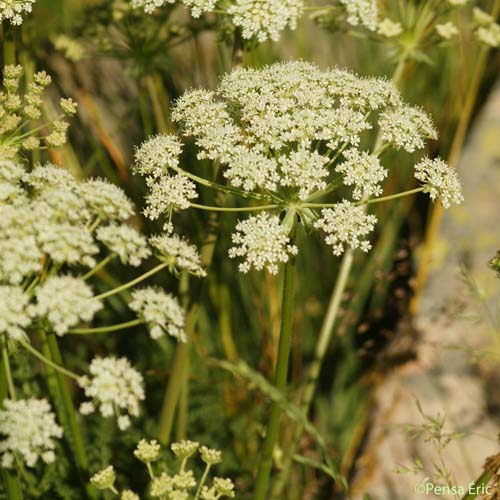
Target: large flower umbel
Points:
(294, 140)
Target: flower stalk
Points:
(280, 379)
(66, 400)
(132, 283)
(9, 477)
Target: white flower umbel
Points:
(28, 429)
(156, 155)
(14, 312)
(363, 171)
(250, 169)
(265, 19)
(178, 252)
(106, 200)
(440, 181)
(198, 7)
(263, 243)
(150, 6)
(389, 28)
(104, 479)
(130, 245)
(11, 172)
(406, 127)
(169, 193)
(224, 487)
(346, 225)
(305, 170)
(447, 30)
(20, 255)
(12, 10)
(489, 34)
(210, 122)
(65, 301)
(147, 452)
(67, 243)
(363, 12)
(115, 388)
(161, 311)
(49, 176)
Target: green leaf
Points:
(241, 369)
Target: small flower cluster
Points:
(161, 311)
(178, 253)
(259, 19)
(265, 19)
(126, 242)
(440, 181)
(19, 109)
(172, 487)
(487, 30)
(28, 428)
(345, 225)
(363, 12)
(115, 387)
(263, 241)
(12, 10)
(155, 159)
(65, 301)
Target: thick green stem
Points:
(10, 477)
(315, 368)
(7, 372)
(67, 402)
(479, 486)
(173, 389)
(280, 379)
(9, 44)
(174, 385)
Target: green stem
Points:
(104, 262)
(371, 201)
(174, 385)
(10, 477)
(135, 281)
(9, 44)
(106, 329)
(183, 403)
(479, 483)
(233, 209)
(182, 412)
(285, 342)
(315, 368)
(47, 361)
(220, 187)
(392, 196)
(8, 373)
(202, 481)
(65, 393)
